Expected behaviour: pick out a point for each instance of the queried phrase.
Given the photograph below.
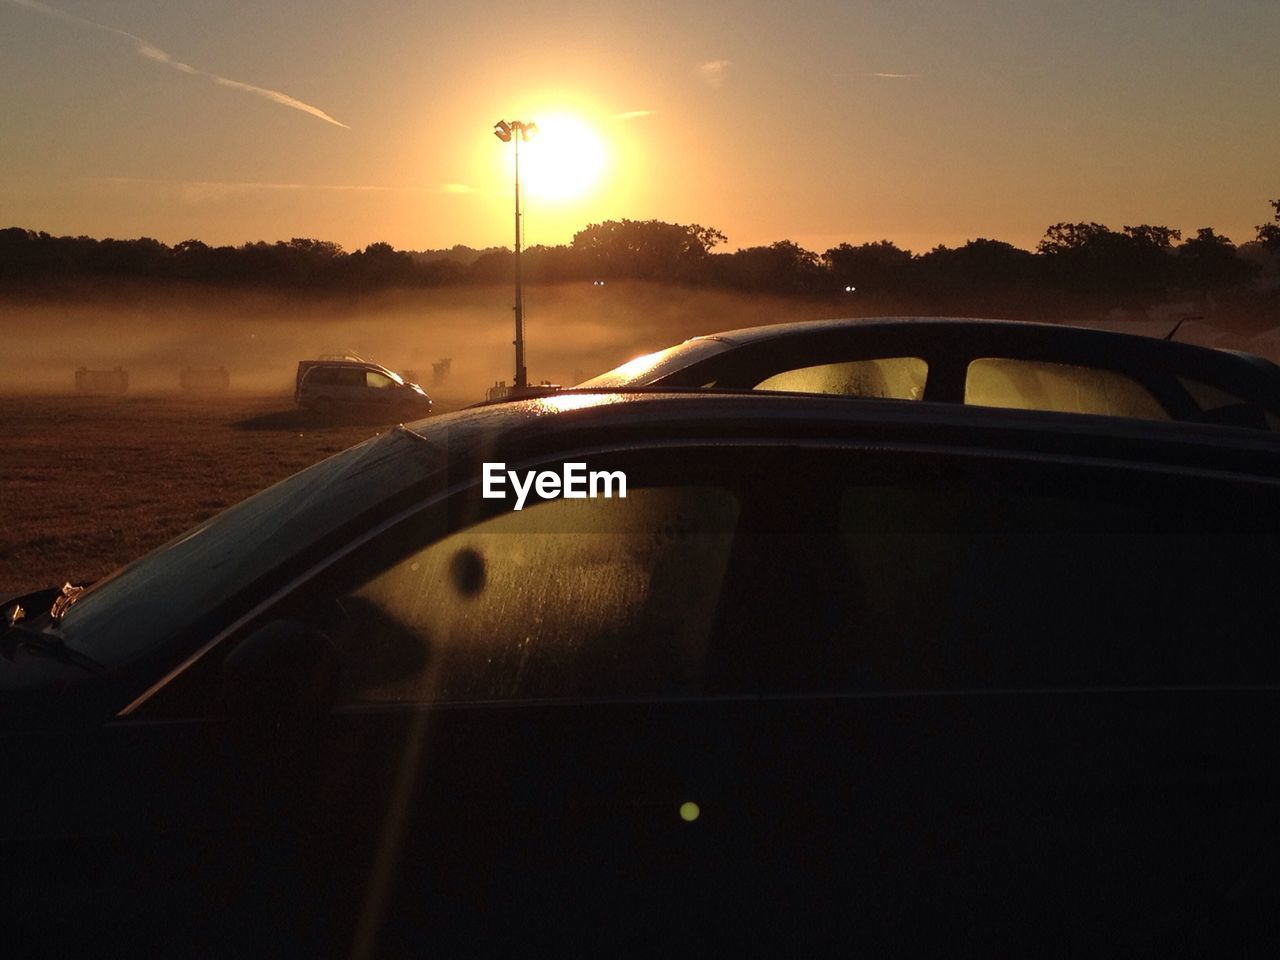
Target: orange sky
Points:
(921, 121)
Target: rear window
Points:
(1218, 403)
(900, 378)
(1060, 387)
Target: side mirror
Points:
(278, 679)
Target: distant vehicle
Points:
(994, 363)
(209, 380)
(836, 672)
(102, 381)
(348, 385)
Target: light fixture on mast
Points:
(513, 132)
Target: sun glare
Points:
(563, 161)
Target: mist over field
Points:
(573, 331)
(157, 461)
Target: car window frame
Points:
(206, 656)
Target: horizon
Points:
(724, 248)
(921, 123)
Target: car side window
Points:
(900, 378)
(322, 376)
(565, 598)
(1217, 402)
(1002, 585)
(1061, 387)
(377, 381)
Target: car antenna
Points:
(1176, 326)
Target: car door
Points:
(534, 731)
(380, 391)
(133, 834)
(1014, 704)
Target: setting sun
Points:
(563, 161)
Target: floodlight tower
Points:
(513, 132)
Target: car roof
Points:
(345, 363)
(348, 362)
(769, 331)
(948, 345)
(982, 333)
(657, 417)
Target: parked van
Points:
(332, 386)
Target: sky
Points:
(818, 121)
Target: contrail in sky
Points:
(227, 186)
(634, 114)
(144, 49)
(896, 76)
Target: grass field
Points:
(90, 482)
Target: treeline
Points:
(1074, 262)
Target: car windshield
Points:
(654, 366)
(126, 615)
(395, 377)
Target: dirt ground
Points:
(88, 483)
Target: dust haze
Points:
(573, 331)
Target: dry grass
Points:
(88, 483)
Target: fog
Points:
(573, 331)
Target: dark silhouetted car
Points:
(351, 386)
(835, 672)
(997, 363)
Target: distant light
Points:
(850, 289)
(597, 283)
(689, 811)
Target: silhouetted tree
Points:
(1065, 238)
(979, 263)
(646, 249)
(782, 267)
(1077, 266)
(194, 260)
(557, 264)
(135, 258)
(1209, 261)
(492, 266)
(378, 264)
(1092, 260)
(441, 272)
(22, 253)
(871, 267)
(1155, 238)
(1269, 233)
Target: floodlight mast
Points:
(514, 132)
